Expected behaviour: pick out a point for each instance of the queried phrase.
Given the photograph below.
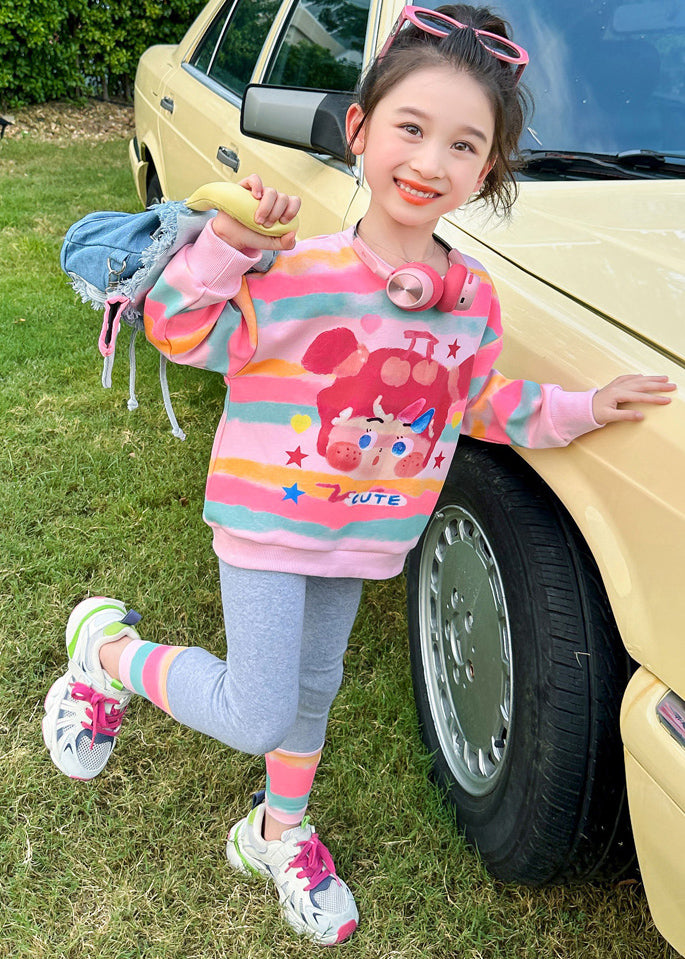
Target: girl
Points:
(353, 364)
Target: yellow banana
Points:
(238, 203)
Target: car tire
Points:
(518, 673)
(154, 190)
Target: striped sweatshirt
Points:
(343, 411)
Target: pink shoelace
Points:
(101, 721)
(314, 861)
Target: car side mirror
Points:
(312, 120)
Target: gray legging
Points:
(286, 635)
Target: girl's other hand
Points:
(273, 207)
(633, 388)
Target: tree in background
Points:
(66, 49)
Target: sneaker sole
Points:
(342, 934)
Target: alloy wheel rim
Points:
(466, 648)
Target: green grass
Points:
(97, 499)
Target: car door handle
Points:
(229, 157)
(167, 103)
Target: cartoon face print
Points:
(385, 410)
(379, 445)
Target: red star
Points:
(453, 348)
(438, 461)
(296, 456)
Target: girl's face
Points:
(426, 145)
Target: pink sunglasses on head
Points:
(440, 25)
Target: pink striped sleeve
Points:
(190, 314)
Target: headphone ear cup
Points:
(453, 284)
(468, 292)
(414, 286)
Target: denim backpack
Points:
(113, 260)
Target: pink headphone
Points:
(416, 286)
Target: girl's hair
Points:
(413, 49)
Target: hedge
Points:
(67, 49)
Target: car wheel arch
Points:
(148, 153)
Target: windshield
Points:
(607, 76)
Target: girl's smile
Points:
(415, 193)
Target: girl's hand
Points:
(273, 207)
(629, 389)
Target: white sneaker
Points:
(85, 707)
(313, 899)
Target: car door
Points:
(304, 44)
(320, 45)
(199, 127)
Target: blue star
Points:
(292, 492)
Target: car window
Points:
(606, 75)
(205, 51)
(229, 50)
(322, 46)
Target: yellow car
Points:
(546, 598)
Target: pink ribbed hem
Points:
(571, 413)
(289, 752)
(352, 564)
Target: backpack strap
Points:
(115, 306)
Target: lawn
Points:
(97, 499)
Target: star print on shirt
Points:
(453, 349)
(292, 492)
(439, 461)
(296, 456)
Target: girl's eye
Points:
(411, 129)
(402, 447)
(463, 147)
(367, 439)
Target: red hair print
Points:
(385, 410)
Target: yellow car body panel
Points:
(656, 794)
(581, 305)
(617, 245)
